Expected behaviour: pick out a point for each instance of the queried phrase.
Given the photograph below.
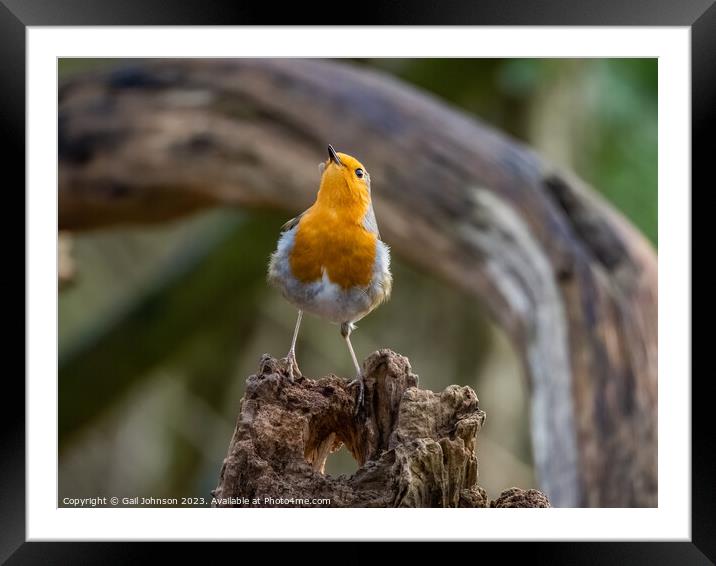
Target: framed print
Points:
(296, 277)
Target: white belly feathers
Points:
(324, 298)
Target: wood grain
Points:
(416, 448)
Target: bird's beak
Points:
(333, 156)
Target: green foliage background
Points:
(163, 323)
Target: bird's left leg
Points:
(291, 356)
(346, 329)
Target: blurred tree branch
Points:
(66, 269)
(572, 282)
(215, 287)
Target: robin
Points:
(329, 260)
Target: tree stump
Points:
(416, 448)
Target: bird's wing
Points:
(293, 222)
(370, 223)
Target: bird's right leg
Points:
(346, 329)
(291, 356)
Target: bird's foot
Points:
(360, 401)
(292, 370)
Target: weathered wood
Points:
(416, 448)
(573, 284)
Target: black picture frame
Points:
(17, 15)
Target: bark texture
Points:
(416, 448)
(573, 284)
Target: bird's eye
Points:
(359, 173)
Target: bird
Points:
(329, 260)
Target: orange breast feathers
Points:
(330, 237)
(344, 250)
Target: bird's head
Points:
(344, 178)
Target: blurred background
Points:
(165, 417)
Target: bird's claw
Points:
(292, 370)
(361, 394)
